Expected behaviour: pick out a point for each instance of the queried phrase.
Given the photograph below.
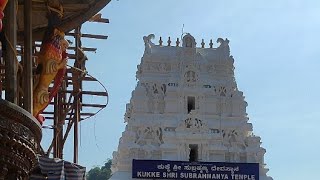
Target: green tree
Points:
(102, 173)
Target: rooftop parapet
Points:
(188, 44)
(188, 41)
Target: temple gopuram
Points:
(43, 81)
(187, 118)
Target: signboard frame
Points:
(165, 169)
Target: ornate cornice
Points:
(20, 135)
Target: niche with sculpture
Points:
(155, 97)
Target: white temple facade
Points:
(187, 107)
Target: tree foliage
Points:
(102, 173)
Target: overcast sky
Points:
(275, 45)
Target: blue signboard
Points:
(161, 169)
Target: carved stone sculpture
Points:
(155, 94)
(223, 49)
(149, 135)
(147, 43)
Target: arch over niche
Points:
(188, 41)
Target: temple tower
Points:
(187, 107)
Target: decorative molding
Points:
(149, 135)
(155, 67)
(155, 94)
(193, 124)
(20, 135)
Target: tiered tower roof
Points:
(186, 106)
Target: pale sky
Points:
(275, 45)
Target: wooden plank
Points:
(55, 124)
(27, 58)
(86, 78)
(11, 92)
(94, 105)
(71, 56)
(89, 36)
(66, 7)
(76, 88)
(84, 49)
(82, 114)
(95, 93)
(94, 8)
(72, 20)
(67, 119)
(76, 121)
(86, 105)
(99, 20)
(73, 48)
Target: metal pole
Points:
(27, 60)
(10, 27)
